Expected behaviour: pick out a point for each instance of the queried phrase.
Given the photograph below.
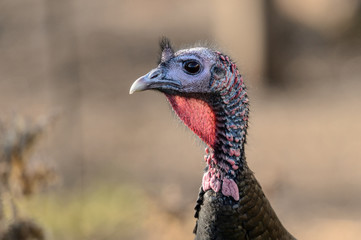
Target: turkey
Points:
(207, 92)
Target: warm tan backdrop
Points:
(128, 168)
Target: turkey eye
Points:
(192, 67)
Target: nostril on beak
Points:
(154, 74)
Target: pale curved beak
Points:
(139, 85)
(154, 80)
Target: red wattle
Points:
(197, 115)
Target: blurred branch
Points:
(17, 141)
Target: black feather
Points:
(164, 43)
(166, 49)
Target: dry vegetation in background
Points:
(19, 178)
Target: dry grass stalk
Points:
(18, 139)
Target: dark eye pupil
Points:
(192, 67)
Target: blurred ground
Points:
(129, 169)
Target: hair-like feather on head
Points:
(165, 43)
(166, 50)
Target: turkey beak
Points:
(140, 84)
(153, 80)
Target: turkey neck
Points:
(225, 158)
(231, 203)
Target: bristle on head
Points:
(166, 49)
(165, 43)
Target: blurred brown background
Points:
(128, 168)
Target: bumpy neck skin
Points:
(226, 158)
(237, 207)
